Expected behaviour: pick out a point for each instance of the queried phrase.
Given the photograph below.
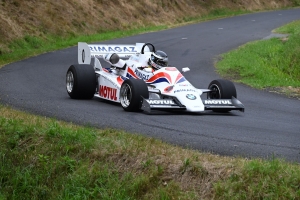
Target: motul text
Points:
(108, 92)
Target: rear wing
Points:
(88, 51)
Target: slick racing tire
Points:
(81, 81)
(131, 93)
(221, 89)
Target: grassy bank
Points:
(31, 45)
(42, 158)
(71, 18)
(272, 64)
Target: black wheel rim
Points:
(215, 92)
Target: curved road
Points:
(269, 127)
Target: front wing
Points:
(161, 104)
(209, 104)
(223, 104)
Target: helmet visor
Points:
(163, 62)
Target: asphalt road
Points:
(269, 127)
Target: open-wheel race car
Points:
(137, 89)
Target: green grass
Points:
(43, 158)
(262, 180)
(213, 14)
(47, 159)
(266, 63)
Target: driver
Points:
(157, 60)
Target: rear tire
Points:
(131, 93)
(81, 81)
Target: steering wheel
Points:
(149, 45)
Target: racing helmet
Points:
(158, 60)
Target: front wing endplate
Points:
(223, 104)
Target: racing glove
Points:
(115, 60)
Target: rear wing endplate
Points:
(88, 51)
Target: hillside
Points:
(46, 18)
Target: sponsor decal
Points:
(161, 102)
(108, 92)
(111, 80)
(191, 96)
(115, 49)
(184, 85)
(185, 90)
(221, 106)
(101, 56)
(160, 106)
(97, 56)
(169, 88)
(141, 75)
(130, 73)
(170, 69)
(216, 102)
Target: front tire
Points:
(131, 93)
(81, 81)
(221, 89)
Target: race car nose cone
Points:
(191, 96)
(191, 101)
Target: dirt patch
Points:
(291, 92)
(193, 172)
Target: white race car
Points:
(135, 89)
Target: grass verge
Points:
(42, 158)
(270, 64)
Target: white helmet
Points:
(158, 60)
